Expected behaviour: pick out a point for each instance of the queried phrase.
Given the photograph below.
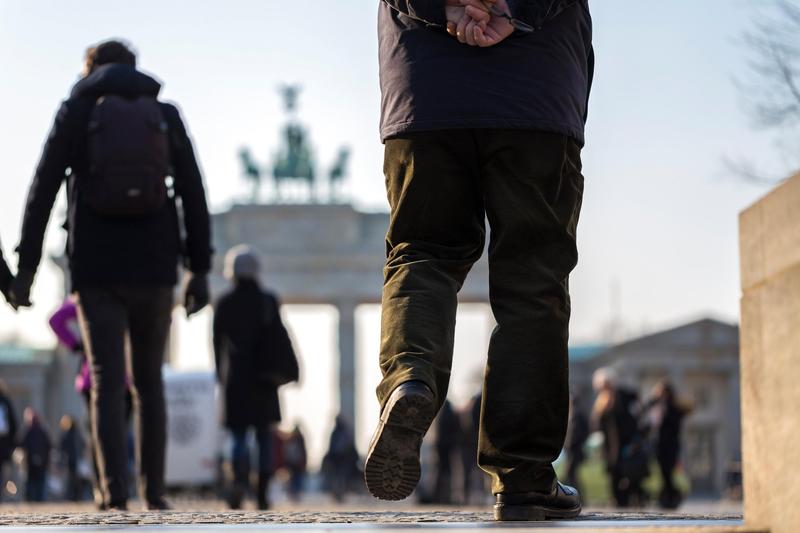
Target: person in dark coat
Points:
(448, 438)
(296, 459)
(71, 447)
(667, 415)
(577, 434)
(123, 263)
(483, 107)
(6, 277)
(8, 431)
(340, 464)
(37, 445)
(473, 475)
(616, 415)
(240, 318)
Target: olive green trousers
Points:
(442, 186)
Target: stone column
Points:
(347, 360)
(770, 352)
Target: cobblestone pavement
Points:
(62, 516)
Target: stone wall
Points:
(770, 358)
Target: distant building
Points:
(702, 361)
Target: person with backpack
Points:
(127, 162)
(254, 356)
(483, 109)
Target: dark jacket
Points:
(8, 438)
(620, 426)
(240, 317)
(37, 446)
(538, 81)
(668, 421)
(5, 273)
(107, 251)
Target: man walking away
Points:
(71, 448)
(448, 437)
(667, 414)
(249, 342)
(482, 115)
(296, 459)
(124, 245)
(37, 445)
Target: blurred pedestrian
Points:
(667, 415)
(254, 356)
(124, 245)
(577, 435)
(66, 326)
(340, 463)
(295, 459)
(616, 415)
(8, 432)
(448, 438)
(473, 476)
(71, 447)
(486, 123)
(37, 445)
(5, 279)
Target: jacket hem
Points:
(398, 128)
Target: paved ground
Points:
(210, 516)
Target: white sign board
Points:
(193, 428)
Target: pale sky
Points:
(660, 210)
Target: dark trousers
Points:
(35, 486)
(573, 463)
(441, 186)
(241, 461)
(113, 319)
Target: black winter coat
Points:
(240, 317)
(108, 251)
(538, 81)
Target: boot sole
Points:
(392, 469)
(532, 513)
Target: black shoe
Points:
(392, 469)
(159, 504)
(563, 502)
(235, 497)
(118, 505)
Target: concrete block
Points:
(770, 357)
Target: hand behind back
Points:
(471, 22)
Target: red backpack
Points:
(128, 157)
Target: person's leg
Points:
(103, 320)
(436, 233)
(444, 475)
(264, 439)
(533, 190)
(240, 464)
(669, 493)
(150, 318)
(571, 468)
